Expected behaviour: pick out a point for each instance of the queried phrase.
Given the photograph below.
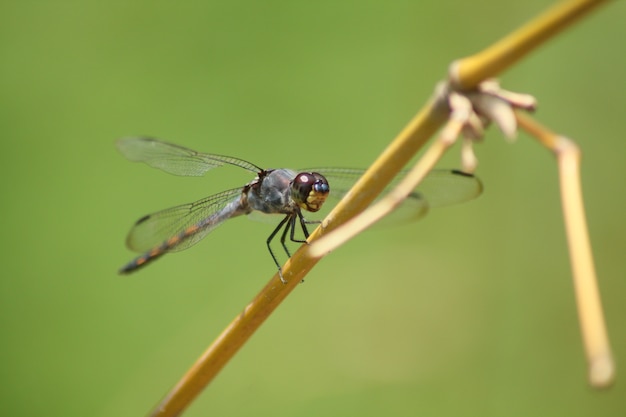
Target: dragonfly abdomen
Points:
(166, 246)
(187, 237)
(142, 260)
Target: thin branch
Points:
(468, 72)
(593, 329)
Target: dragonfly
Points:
(280, 191)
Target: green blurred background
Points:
(469, 312)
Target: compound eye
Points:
(309, 190)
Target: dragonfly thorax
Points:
(270, 192)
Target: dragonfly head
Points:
(309, 190)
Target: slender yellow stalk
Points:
(398, 153)
(468, 72)
(593, 329)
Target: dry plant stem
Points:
(594, 334)
(468, 72)
(373, 182)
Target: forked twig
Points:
(593, 329)
(465, 74)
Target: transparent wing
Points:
(154, 229)
(439, 188)
(447, 187)
(176, 159)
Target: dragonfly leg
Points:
(289, 226)
(292, 237)
(305, 231)
(288, 220)
(306, 221)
